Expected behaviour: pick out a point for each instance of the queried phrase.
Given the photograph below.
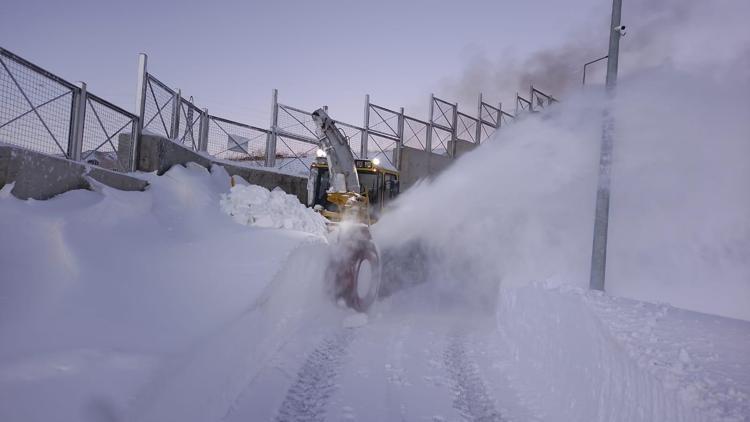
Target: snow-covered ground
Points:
(166, 305)
(106, 294)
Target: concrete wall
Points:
(159, 154)
(419, 164)
(462, 147)
(41, 176)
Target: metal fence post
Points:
(400, 146)
(479, 122)
(454, 130)
(272, 134)
(428, 140)
(140, 110)
(174, 131)
(203, 131)
(531, 98)
(364, 145)
(77, 121)
(499, 121)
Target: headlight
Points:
(320, 153)
(375, 162)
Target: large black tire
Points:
(356, 274)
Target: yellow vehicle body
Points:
(379, 185)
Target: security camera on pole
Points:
(601, 221)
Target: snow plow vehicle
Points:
(350, 193)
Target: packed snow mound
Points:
(254, 205)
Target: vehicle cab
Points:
(378, 183)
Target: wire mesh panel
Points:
(442, 113)
(506, 118)
(103, 124)
(540, 100)
(415, 133)
(157, 116)
(486, 131)
(230, 140)
(440, 139)
(466, 128)
(296, 122)
(381, 148)
(294, 156)
(189, 130)
(488, 114)
(383, 121)
(522, 105)
(353, 134)
(35, 106)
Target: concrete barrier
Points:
(462, 147)
(418, 164)
(159, 154)
(41, 176)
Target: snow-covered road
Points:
(399, 367)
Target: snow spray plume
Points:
(520, 208)
(682, 33)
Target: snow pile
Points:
(254, 205)
(107, 297)
(582, 355)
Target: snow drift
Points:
(582, 355)
(108, 297)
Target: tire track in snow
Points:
(471, 397)
(306, 399)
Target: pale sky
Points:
(230, 54)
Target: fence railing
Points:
(43, 112)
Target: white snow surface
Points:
(105, 296)
(255, 205)
(583, 355)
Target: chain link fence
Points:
(159, 107)
(235, 141)
(36, 107)
(42, 112)
(104, 122)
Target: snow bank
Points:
(583, 355)
(104, 295)
(254, 205)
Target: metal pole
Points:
(203, 131)
(189, 127)
(601, 221)
(499, 121)
(479, 120)
(400, 145)
(454, 130)
(174, 132)
(428, 140)
(271, 139)
(140, 110)
(531, 98)
(364, 145)
(78, 117)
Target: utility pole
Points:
(601, 220)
